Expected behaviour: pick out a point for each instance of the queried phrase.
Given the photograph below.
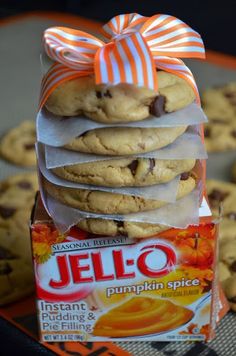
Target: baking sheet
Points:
(20, 69)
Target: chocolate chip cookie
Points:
(116, 228)
(109, 203)
(16, 276)
(17, 146)
(125, 141)
(125, 172)
(227, 270)
(219, 104)
(225, 193)
(17, 193)
(122, 102)
(16, 201)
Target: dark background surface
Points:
(215, 20)
(15, 343)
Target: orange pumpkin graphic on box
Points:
(195, 250)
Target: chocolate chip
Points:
(233, 266)
(152, 164)
(119, 223)
(98, 94)
(231, 216)
(231, 96)
(24, 185)
(232, 300)
(184, 176)
(157, 107)
(83, 134)
(5, 269)
(107, 94)
(207, 132)
(29, 146)
(233, 133)
(5, 254)
(217, 196)
(6, 212)
(133, 166)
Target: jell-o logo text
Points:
(155, 260)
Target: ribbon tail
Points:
(178, 67)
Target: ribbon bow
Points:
(132, 48)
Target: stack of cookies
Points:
(109, 159)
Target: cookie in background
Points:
(18, 144)
(16, 200)
(225, 193)
(219, 104)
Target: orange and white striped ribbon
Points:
(133, 48)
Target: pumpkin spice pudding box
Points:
(116, 288)
(123, 241)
